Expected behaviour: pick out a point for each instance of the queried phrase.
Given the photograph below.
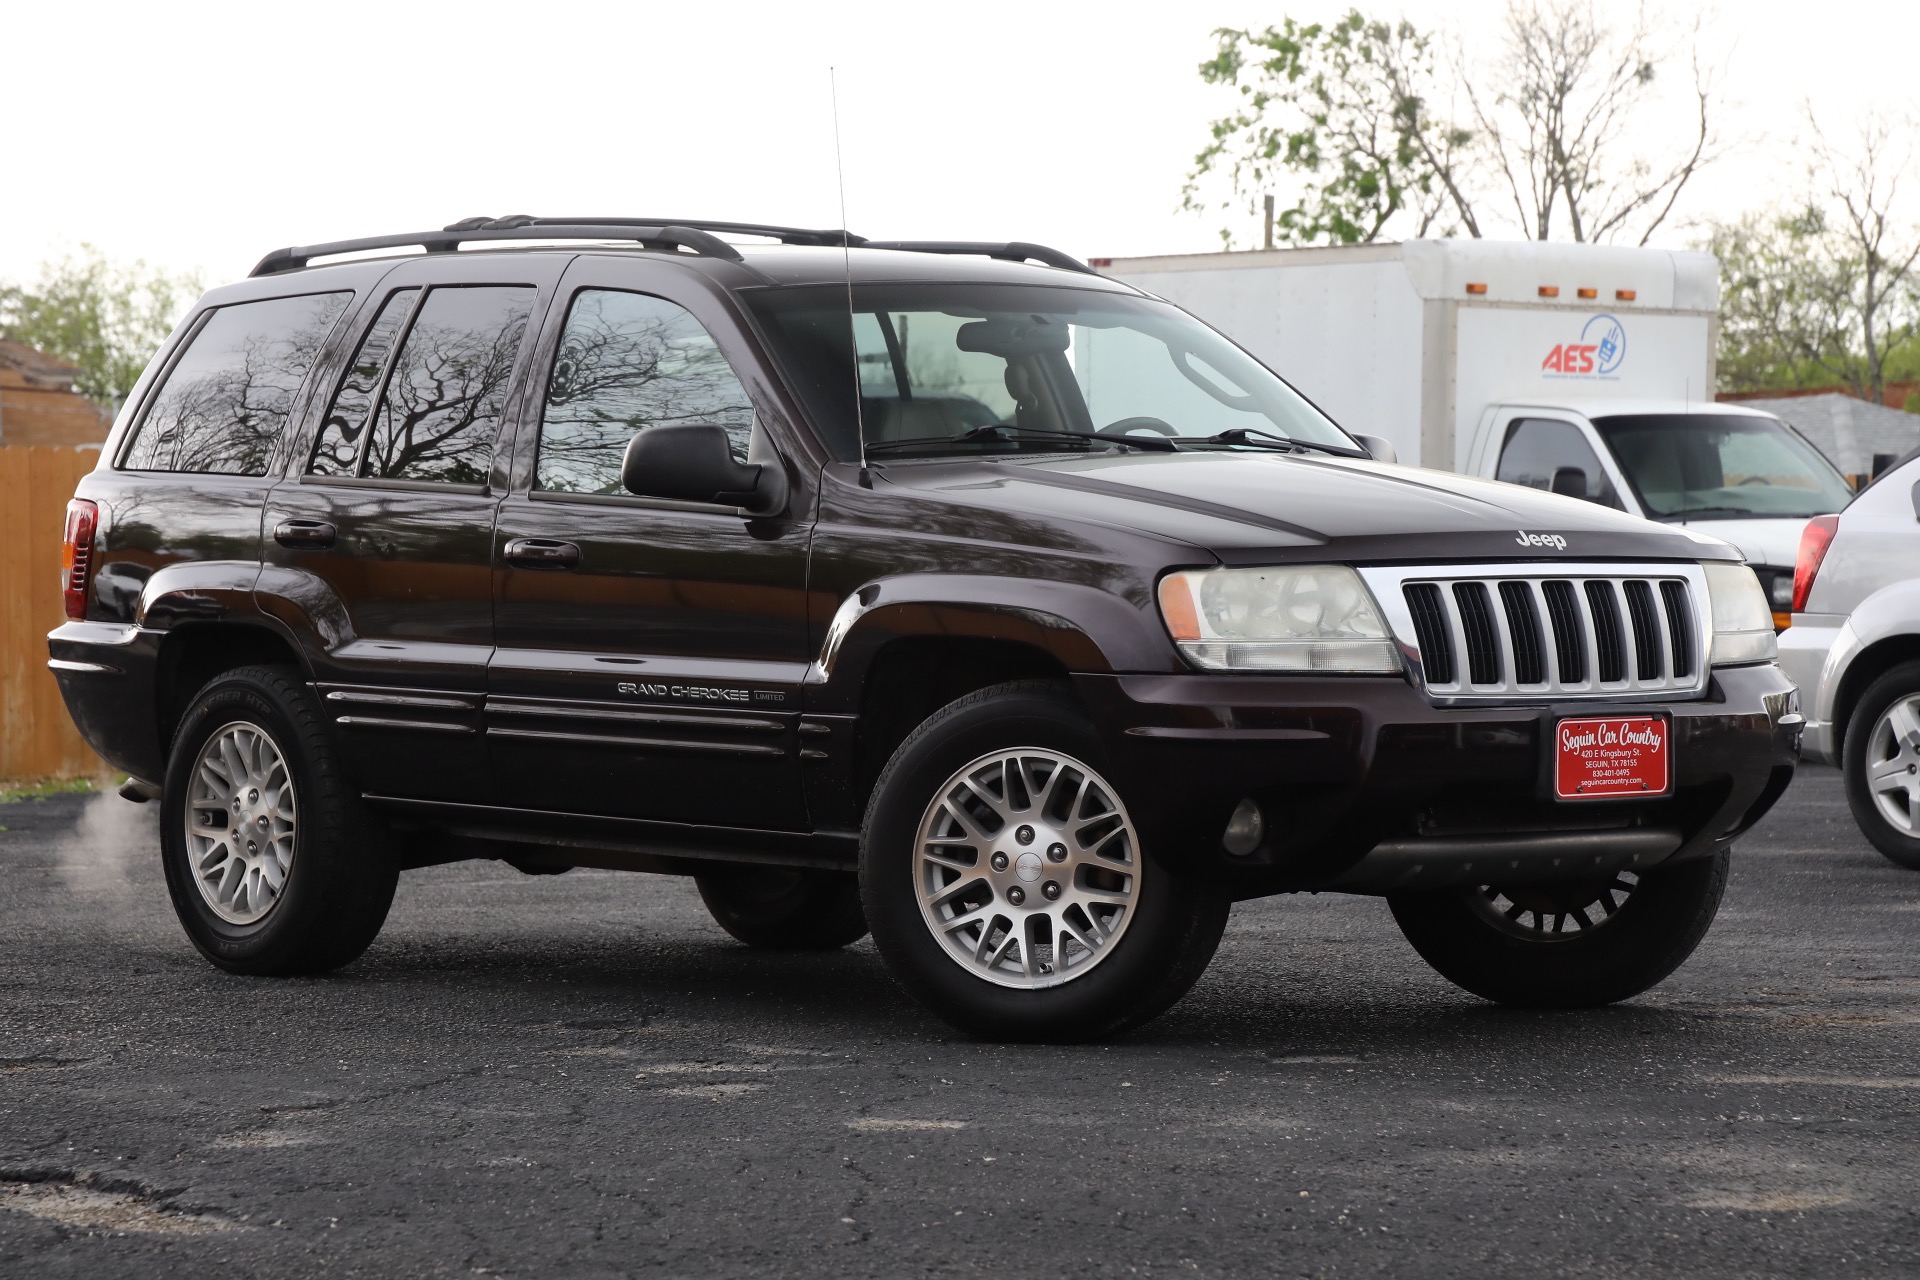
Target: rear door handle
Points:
(314, 534)
(542, 553)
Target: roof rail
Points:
(653, 235)
(700, 235)
(1012, 251)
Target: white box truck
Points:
(1584, 369)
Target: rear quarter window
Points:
(225, 403)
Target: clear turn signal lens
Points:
(1742, 616)
(1308, 618)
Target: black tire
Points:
(1861, 753)
(786, 908)
(341, 877)
(1175, 922)
(1465, 936)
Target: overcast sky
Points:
(198, 136)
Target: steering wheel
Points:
(1756, 480)
(1126, 425)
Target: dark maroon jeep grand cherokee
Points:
(944, 590)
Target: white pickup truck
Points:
(1584, 369)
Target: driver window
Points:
(629, 361)
(1543, 453)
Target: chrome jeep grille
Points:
(1524, 633)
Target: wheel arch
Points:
(1872, 662)
(192, 655)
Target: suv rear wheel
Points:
(1567, 945)
(273, 865)
(1007, 886)
(786, 908)
(1881, 763)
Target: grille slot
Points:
(1523, 626)
(1648, 661)
(1483, 640)
(1569, 632)
(1430, 630)
(1609, 647)
(1679, 627)
(1487, 633)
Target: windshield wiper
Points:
(1684, 512)
(1255, 438)
(1007, 431)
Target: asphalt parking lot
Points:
(582, 1076)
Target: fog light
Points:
(1244, 829)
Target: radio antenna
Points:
(846, 262)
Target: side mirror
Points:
(1570, 482)
(695, 463)
(1379, 448)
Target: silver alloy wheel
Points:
(1027, 868)
(1892, 765)
(1542, 913)
(241, 821)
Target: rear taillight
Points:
(76, 561)
(1814, 541)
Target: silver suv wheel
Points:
(1027, 868)
(1892, 765)
(240, 823)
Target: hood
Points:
(1774, 542)
(1265, 507)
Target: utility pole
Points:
(1268, 241)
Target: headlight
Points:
(1742, 618)
(1312, 618)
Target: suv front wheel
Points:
(273, 864)
(1007, 886)
(1567, 945)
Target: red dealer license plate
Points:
(1616, 756)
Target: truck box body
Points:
(1387, 339)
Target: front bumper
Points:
(1367, 787)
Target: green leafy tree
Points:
(1830, 292)
(104, 317)
(1340, 108)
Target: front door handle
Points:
(542, 553)
(310, 534)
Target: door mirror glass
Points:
(695, 463)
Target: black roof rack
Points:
(1013, 251)
(700, 235)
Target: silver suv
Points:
(1854, 650)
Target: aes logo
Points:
(1602, 346)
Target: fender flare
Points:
(1083, 628)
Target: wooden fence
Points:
(37, 739)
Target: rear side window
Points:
(226, 401)
(629, 361)
(430, 410)
(338, 453)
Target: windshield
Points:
(1722, 466)
(1022, 368)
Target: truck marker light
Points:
(1477, 290)
(1587, 293)
(1624, 295)
(1549, 290)
(1815, 538)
